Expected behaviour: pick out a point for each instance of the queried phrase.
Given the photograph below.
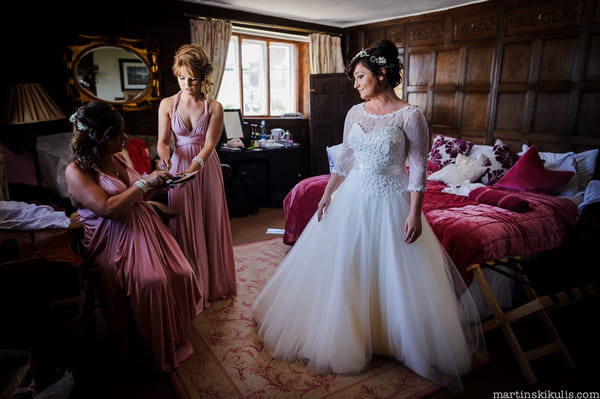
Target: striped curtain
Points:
(213, 36)
(325, 53)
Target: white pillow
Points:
(465, 170)
(481, 149)
(586, 167)
(480, 160)
(333, 153)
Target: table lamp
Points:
(28, 103)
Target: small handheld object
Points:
(181, 178)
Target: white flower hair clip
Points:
(82, 127)
(381, 61)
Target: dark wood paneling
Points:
(510, 111)
(430, 32)
(554, 50)
(475, 27)
(444, 109)
(516, 59)
(396, 34)
(525, 71)
(592, 61)
(331, 96)
(419, 68)
(446, 67)
(551, 114)
(543, 17)
(474, 111)
(479, 66)
(588, 117)
(371, 36)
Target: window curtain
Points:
(325, 53)
(213, 36)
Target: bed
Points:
(489, 205)
(484, 202)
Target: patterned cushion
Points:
(500, 161)
(444, 150)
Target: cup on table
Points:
(276, 134)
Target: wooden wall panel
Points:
(544, 16)
(551, 114)
(510, 112)
(515, 63)
(479, 66)
(554, 52)
(422, 33)
(470, 27)
(371, 36)
(592, 63)
(474, 111)
(588, 117)
(446, 67)
(395, 33)
(444, 109)
(419, 72)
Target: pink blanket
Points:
(471, 232)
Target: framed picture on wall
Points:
(134, 74)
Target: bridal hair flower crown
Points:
(381, 61)
(82, 127)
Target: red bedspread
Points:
(471, 232)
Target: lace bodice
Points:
(377, 148)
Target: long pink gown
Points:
(141, 267)
(202, 224)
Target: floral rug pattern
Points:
(230, 361)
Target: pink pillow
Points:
(500, 161)
(529, 174)
(444, 150)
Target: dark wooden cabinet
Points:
(331, 96)
(270, 175)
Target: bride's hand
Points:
(323, 204)
(412, 228)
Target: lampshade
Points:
(29, 103)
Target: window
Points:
(261, 76)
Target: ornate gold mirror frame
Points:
(131, 71)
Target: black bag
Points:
(241, 198)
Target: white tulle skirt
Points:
(351, 288)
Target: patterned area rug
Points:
(230, 361)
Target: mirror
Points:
(119, 71)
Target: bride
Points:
(368, 276)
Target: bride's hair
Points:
(383, 54)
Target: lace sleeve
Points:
(345, 160)
(417, 134)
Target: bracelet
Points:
(142, 185)
(199, 160)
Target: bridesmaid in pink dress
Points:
(139, 263)
(202, 224)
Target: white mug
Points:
(276, 134)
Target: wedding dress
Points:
(351, 288)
